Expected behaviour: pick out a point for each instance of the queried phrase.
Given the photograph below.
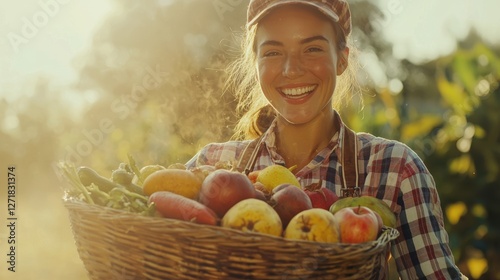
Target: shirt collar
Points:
(335, 144)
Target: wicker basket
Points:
(116, 244)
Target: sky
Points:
(423, 30)
(41, 37)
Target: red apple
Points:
(321, 197)
(288, 201)
(223, 188)
(357, 224)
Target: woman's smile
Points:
(297, 94)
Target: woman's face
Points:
(298, 62)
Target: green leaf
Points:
(453, 94)
(420, 127)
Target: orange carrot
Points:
(175, 206)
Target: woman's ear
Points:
(342, 60)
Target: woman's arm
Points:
(422, 250)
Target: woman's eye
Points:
(314, 49)
(271, 53)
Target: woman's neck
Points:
(298, 144)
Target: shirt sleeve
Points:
(421, 251)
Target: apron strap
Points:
(249, 155)
(349, 162)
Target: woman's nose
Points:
(292, 67)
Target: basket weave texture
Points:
(115, 244)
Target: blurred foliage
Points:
(152, 88)
(452, 122)
(466, 162)
(161, 87)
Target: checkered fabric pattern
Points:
(389, 170)
(337, 10)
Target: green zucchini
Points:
(88, 176)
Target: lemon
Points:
(275, 175)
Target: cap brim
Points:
(325, 10)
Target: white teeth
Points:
(298, 91)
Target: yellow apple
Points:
(253, 215)
(315, 224)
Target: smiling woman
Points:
(285, 80)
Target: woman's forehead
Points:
(297, 22)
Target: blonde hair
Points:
(256, 112)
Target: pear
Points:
(315, 224)
(275, 175)
(375, 204)
(253, 215)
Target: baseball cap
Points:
(337, 10)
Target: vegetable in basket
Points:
(90, 187)
(175, 206)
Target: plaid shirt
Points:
(389, 170)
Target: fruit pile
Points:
(269, 201)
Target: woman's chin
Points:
(296, 119)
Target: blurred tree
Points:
(31, 130)
(466, 160)
(447, 111)
(161, 87)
